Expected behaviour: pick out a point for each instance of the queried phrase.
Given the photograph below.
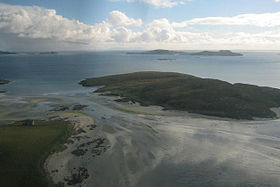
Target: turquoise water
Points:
(45, 74)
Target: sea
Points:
(35, 74)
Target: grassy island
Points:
(217, 53)
(193, 94)
(24, 147)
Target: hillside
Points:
(159, 52)
(193, 94)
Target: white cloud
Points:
(119, 18)
(39, 28)
(259, 20)
(161, 30)
(37, 22)
(159, 3)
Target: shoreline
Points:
(177, 91)
(138, 108)
(108, 137)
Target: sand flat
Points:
(151, 147)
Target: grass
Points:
(193, 94)
(23, 150)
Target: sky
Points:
(38, 25)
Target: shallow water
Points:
(149, 150)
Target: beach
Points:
(146, 146)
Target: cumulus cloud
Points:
(119, 18)
(31, 24)
(161, 30)
(37, 22)
(259, 20)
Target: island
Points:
(159, 52)
(203, 53)
(7, 53)
(175, 91)
(217, 53)
(48, 53)
(4, 81)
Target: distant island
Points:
(7, 53)
(203, 53)
(159, 52)
(4, 81)
(217, 53)
(48, 53)
(193, 94)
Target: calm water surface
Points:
(45, 74)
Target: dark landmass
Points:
(77, 177)
(193, 94)
(217, 53)
(48, 53)
(57, 108)
(203, 53)
(7, 53)
(159, 52)
(4, 82)
(24, 146)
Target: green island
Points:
(202, 53)
(7, 53)
(216, 53)
(189, 93)
(24, 146)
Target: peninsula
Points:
(193, 94)
(203, 53)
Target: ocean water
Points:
(60, 73)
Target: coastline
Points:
(135, 140)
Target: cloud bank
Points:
(159, 3)
(45, 29)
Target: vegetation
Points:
(197, 95)
(24, 148)
(159, 52)
(203, 53)
(217, 53)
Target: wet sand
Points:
(119, 144)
